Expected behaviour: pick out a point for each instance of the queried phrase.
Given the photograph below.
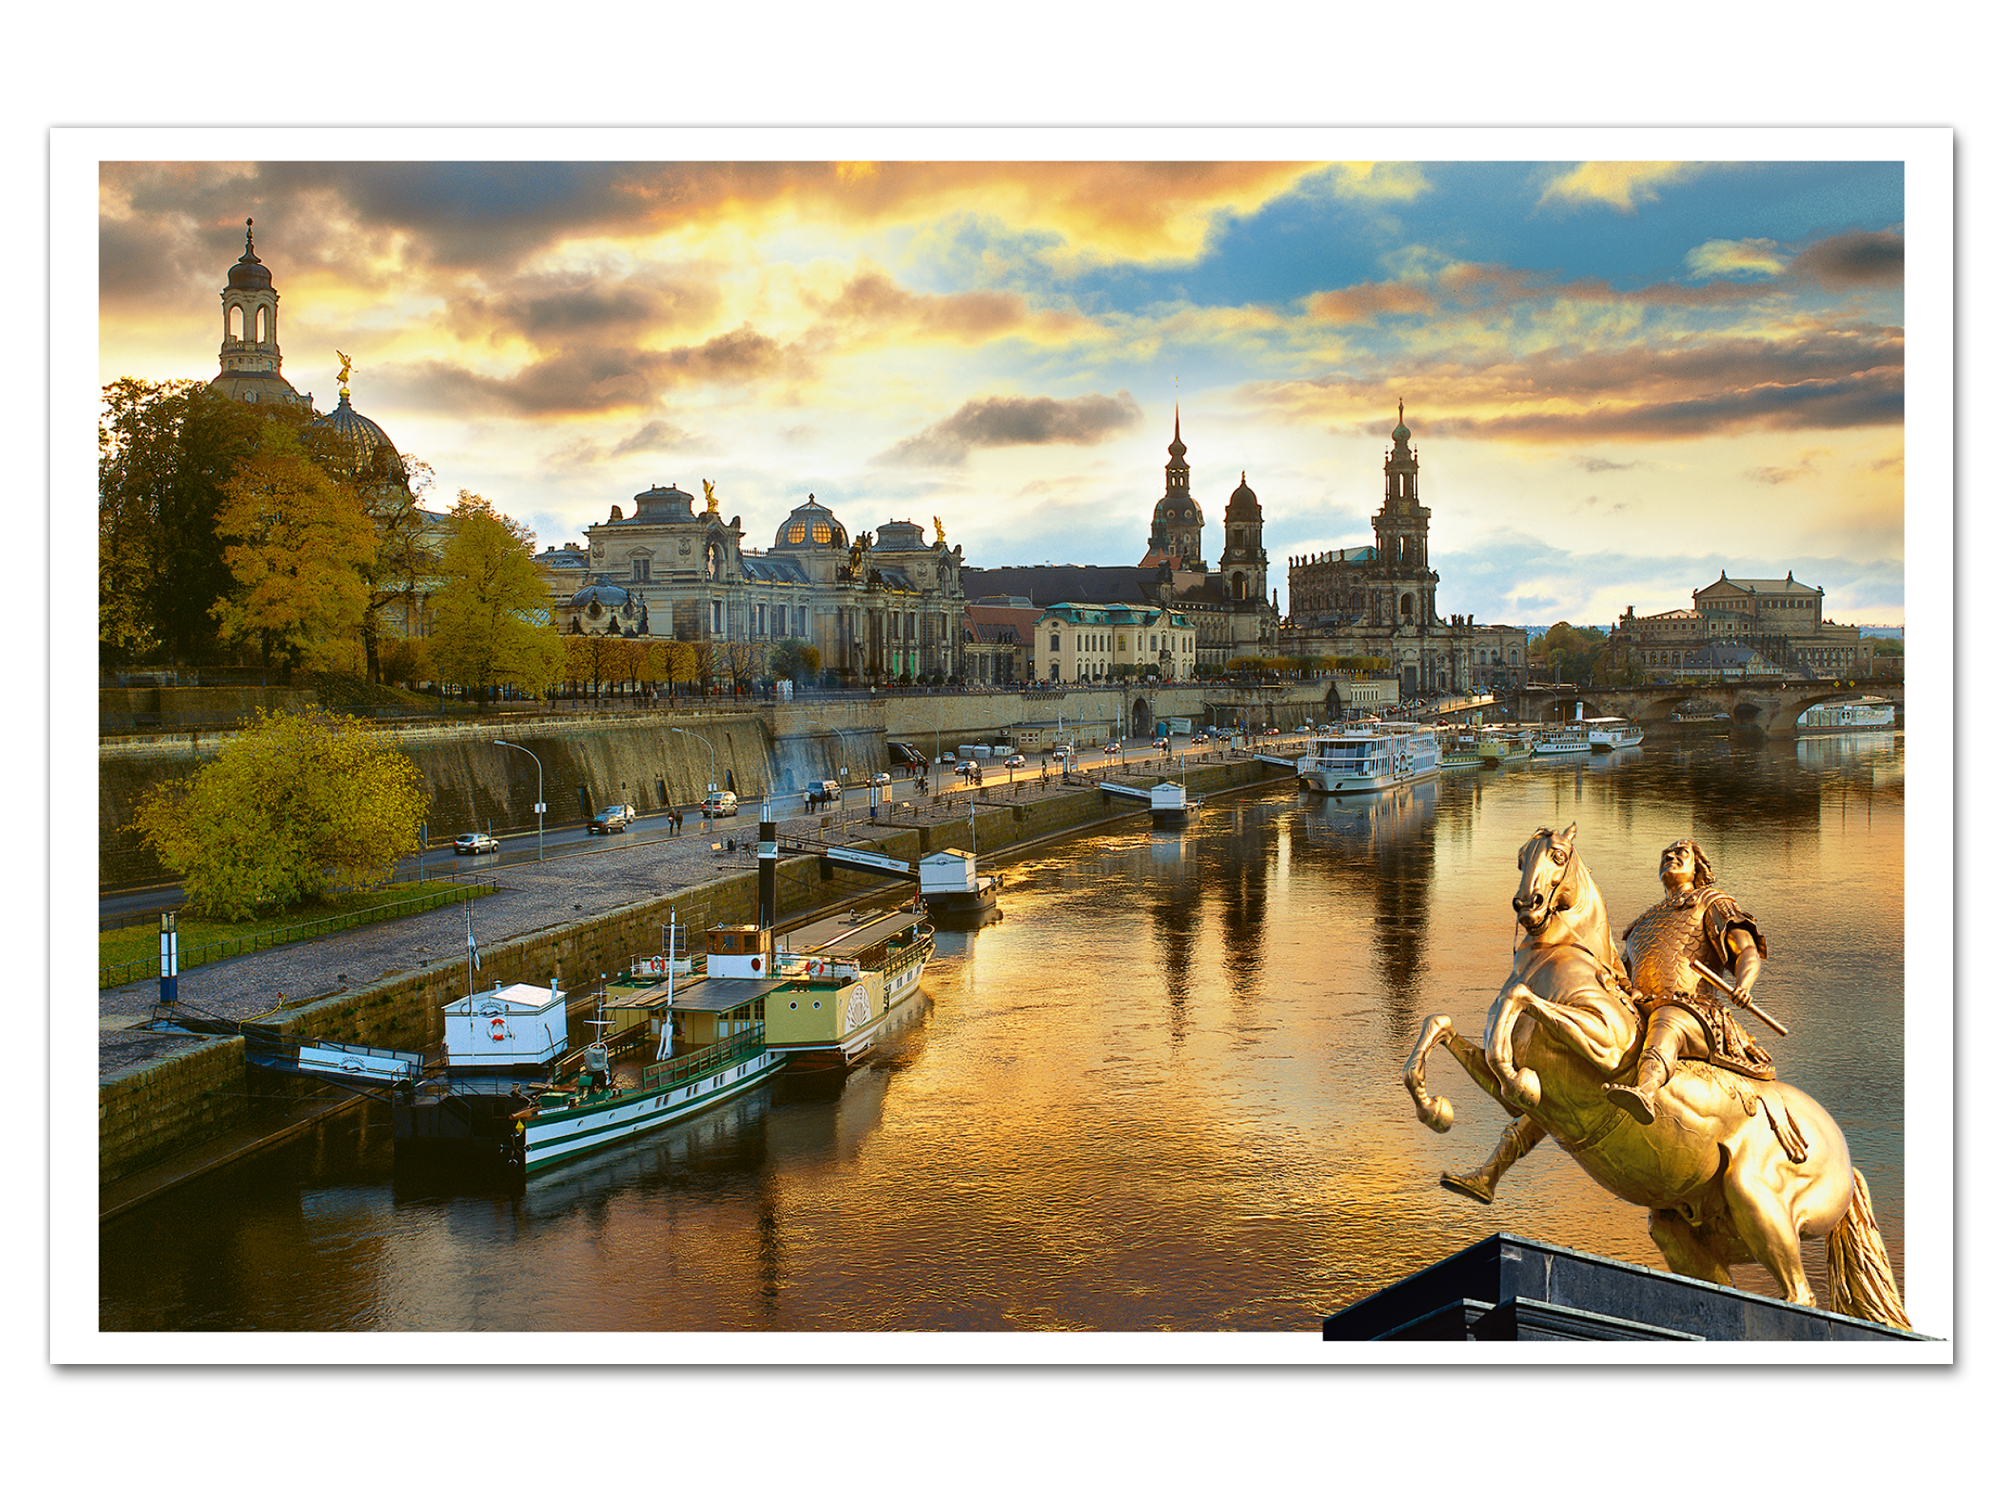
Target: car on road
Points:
(968, 768)
(1013, 762)
(475, 843)
(612, 819)
(1112, 748)
(719, 805)
(821, 793)
(880, 778)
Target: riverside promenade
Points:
(644, 864)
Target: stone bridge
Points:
(1766, 706)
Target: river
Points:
(1163, 1093)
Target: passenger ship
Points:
(1612, 733)
(1861, 713)
(1370, 757)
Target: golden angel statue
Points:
(708, 489)
(938, 522)
(346, 365)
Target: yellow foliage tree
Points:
(295, 805)
(298, 543)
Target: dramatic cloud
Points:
(1006, 421)
(655, 437)
(1853, 260)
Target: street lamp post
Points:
(707, 819)
(540, 805)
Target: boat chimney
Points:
(767, 871)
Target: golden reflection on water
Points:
(1163, 1093)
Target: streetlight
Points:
(540, 806)
(705, 815)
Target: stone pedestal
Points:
(1514, 1290)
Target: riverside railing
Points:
(111, 976)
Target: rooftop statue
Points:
(938, 522)
(346, 365)
(1630, 1063)
(708, 489)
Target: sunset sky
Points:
(1623, 377)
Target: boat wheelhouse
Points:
(1369, 757)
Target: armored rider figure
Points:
(1696, 921)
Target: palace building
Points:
(879, 607)
(1780, 620)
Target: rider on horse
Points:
(1695, 922)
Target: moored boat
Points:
(1612, 733)
(1860, 713)
(1369, 757)
(1561, 739)
(1497, 746)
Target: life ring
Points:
(499, 1032)
(815, 968)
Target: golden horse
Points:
(1714, 1167)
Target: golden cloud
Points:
(1732, 257)
(1621, 184)
(1369, 300)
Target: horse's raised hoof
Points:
(1635, 1102)
(1471, 1187)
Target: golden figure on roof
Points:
(708, 489)
(346, 365)
(938, 522)
(1734, 1165)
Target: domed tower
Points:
(251, 364)
(356, 445)
(1176, 534)
(1402, 537)
(1243, 562)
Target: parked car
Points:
(1112, 748)
(880, 778)
(719, 805)
(1014, 762)
(820, 793)
(612, 820)
(475, 843)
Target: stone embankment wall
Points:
(643, 757)
(148, 1112)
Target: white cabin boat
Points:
(1612, 733)
(1861, 713)
(1562, 739)
(1369, 758)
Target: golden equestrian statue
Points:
(1734, 1167)
(346, 365)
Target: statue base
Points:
(1514, 1290)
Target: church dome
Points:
(364, 448)
(249, 274)
(1177, 510)
(657, 506)
(811, 525)
(1243, 503)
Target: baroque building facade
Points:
(1225, 605)
(1379, 600)
(1782, 621)
(878, 607)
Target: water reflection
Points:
(1163, 1093)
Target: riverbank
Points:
(162, 1096)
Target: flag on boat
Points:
(471, 942)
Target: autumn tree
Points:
(1571, 654)
(165, 451)
(489, 617)
(298, 544)
(292, 807)
(591, 659)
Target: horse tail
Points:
(1863, 1283)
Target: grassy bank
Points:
(125, 954)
